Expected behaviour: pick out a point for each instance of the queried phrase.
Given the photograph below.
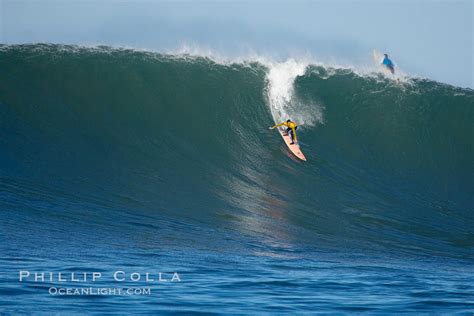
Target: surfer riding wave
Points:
(291, 129)
(388, 63)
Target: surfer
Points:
(291, 129)
(388, 63)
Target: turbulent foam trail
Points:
(280, 87)
(281, 95)
(185, 138)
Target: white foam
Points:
(281, 76)
(283, 103)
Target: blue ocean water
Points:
(126, 163)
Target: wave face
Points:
(390, 162)
(118, 147)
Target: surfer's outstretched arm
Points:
(277, 125)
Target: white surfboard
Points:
(378, 57)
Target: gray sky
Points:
(429, 38)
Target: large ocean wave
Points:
(121, 132)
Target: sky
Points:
(427, 38)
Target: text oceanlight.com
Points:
(99, 291)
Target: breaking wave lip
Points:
(368, 69)
(192, 51)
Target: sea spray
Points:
(283, 102)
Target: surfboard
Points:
(295, 148)
(378, 57)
